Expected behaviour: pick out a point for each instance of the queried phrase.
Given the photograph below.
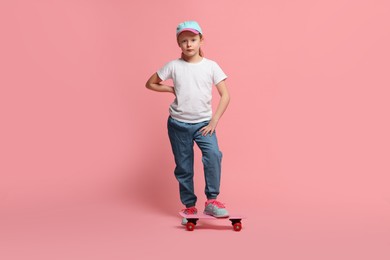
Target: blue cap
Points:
(191, 26)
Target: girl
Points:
(191, 117)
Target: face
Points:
(189, 43)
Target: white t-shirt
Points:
(193, 87)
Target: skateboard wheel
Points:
(190, 226)
(237, 226)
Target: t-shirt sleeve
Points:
(165, 72)
(218, 74)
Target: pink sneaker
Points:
(188, 211)
(215, 209)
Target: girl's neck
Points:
(193, 59)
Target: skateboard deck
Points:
(193, 219)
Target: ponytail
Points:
(200, 49)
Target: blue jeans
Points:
(182, 136)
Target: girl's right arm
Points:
(154, 83)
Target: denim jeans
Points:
(182, 136)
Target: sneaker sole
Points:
(215, 216)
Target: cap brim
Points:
(188, 30)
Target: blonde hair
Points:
(201, 54)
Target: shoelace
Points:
(218, 204)
(191, 210)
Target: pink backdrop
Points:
(86, 166)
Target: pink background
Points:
(86, 166)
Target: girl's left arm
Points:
(223, 104)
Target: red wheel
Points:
(190, 226)
(237, 226)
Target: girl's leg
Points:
(182, 144)
(211, 158)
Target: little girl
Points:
(191, 117)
